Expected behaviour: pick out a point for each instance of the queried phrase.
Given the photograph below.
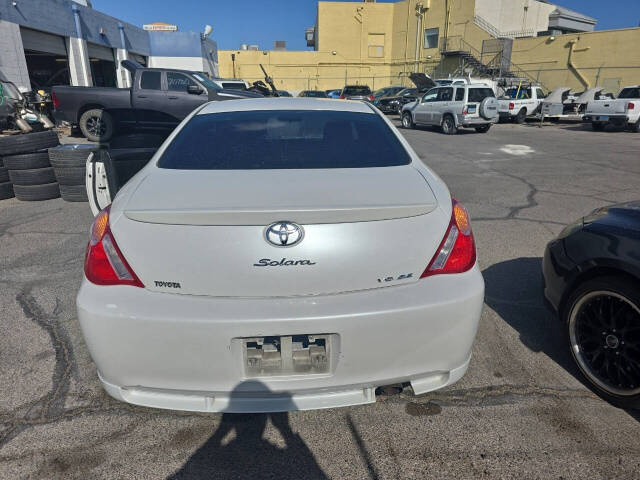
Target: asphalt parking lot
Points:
(520, 412)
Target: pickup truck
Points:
(519, 102)
(623, 111)
(159, 99)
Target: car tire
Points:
(597, 127)
(4, 175)
(97, 125)
(635, 127)
(31, 193)
(66, 156)
(28, 142)
(483, 129)
(521, 116)
(27, 161)
(35, 176)
(407, 120)
(603, 335)
(449, 125)
(69, 176)
(6, 190)
(74, 193)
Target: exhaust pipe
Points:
(48, 124)
(23, 125)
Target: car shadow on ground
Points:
(514, 290)
(237, 449)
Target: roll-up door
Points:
(98, 51)
(43, 42)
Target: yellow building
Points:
(380, 44)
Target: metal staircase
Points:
(494, 65)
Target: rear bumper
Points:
(64, 116)
(470, 122)
(619, 118)
(177, 351)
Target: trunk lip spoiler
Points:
(261, 217)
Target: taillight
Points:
(631, 106)
(465, 111)
(371, 97)
(342, 97)
(512, 106)
(54, 99)
(457, 252)
(104, 263)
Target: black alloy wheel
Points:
(604, 337)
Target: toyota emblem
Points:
(284, 234)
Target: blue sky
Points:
(262, 22)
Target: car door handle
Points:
(172, 97)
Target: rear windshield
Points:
(277, 139)
(518, 93)
(630, 93)
(479, 94)
(356, 90)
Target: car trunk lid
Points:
(205, 230)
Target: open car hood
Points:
(422, 80)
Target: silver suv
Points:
(454, 107)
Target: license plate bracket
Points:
(308, 354)
(603, 118)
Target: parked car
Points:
(204, 266)
(356, 92)
(231, 83)
(454, 107)
(284, 93)
(519, 102)
(564, 103)
(623, 111)
(394, 103)
(387, 91)
(159, 99)
(592, 281)
(313, 94)
(334, 93)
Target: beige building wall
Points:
(375, 44)
(608, 58)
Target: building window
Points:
(431, 37)
(376, 45)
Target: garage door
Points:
(98, 51)
(43, 42)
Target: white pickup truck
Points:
(519, 102)
(623, 111)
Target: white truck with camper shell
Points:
(520, 101)
(623, 111)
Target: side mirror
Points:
(194, 90)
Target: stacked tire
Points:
(6, 187)
(26, 161)
(69, 164)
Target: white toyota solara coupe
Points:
(280, 254)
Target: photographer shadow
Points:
(238, 449)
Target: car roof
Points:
(293, 103)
